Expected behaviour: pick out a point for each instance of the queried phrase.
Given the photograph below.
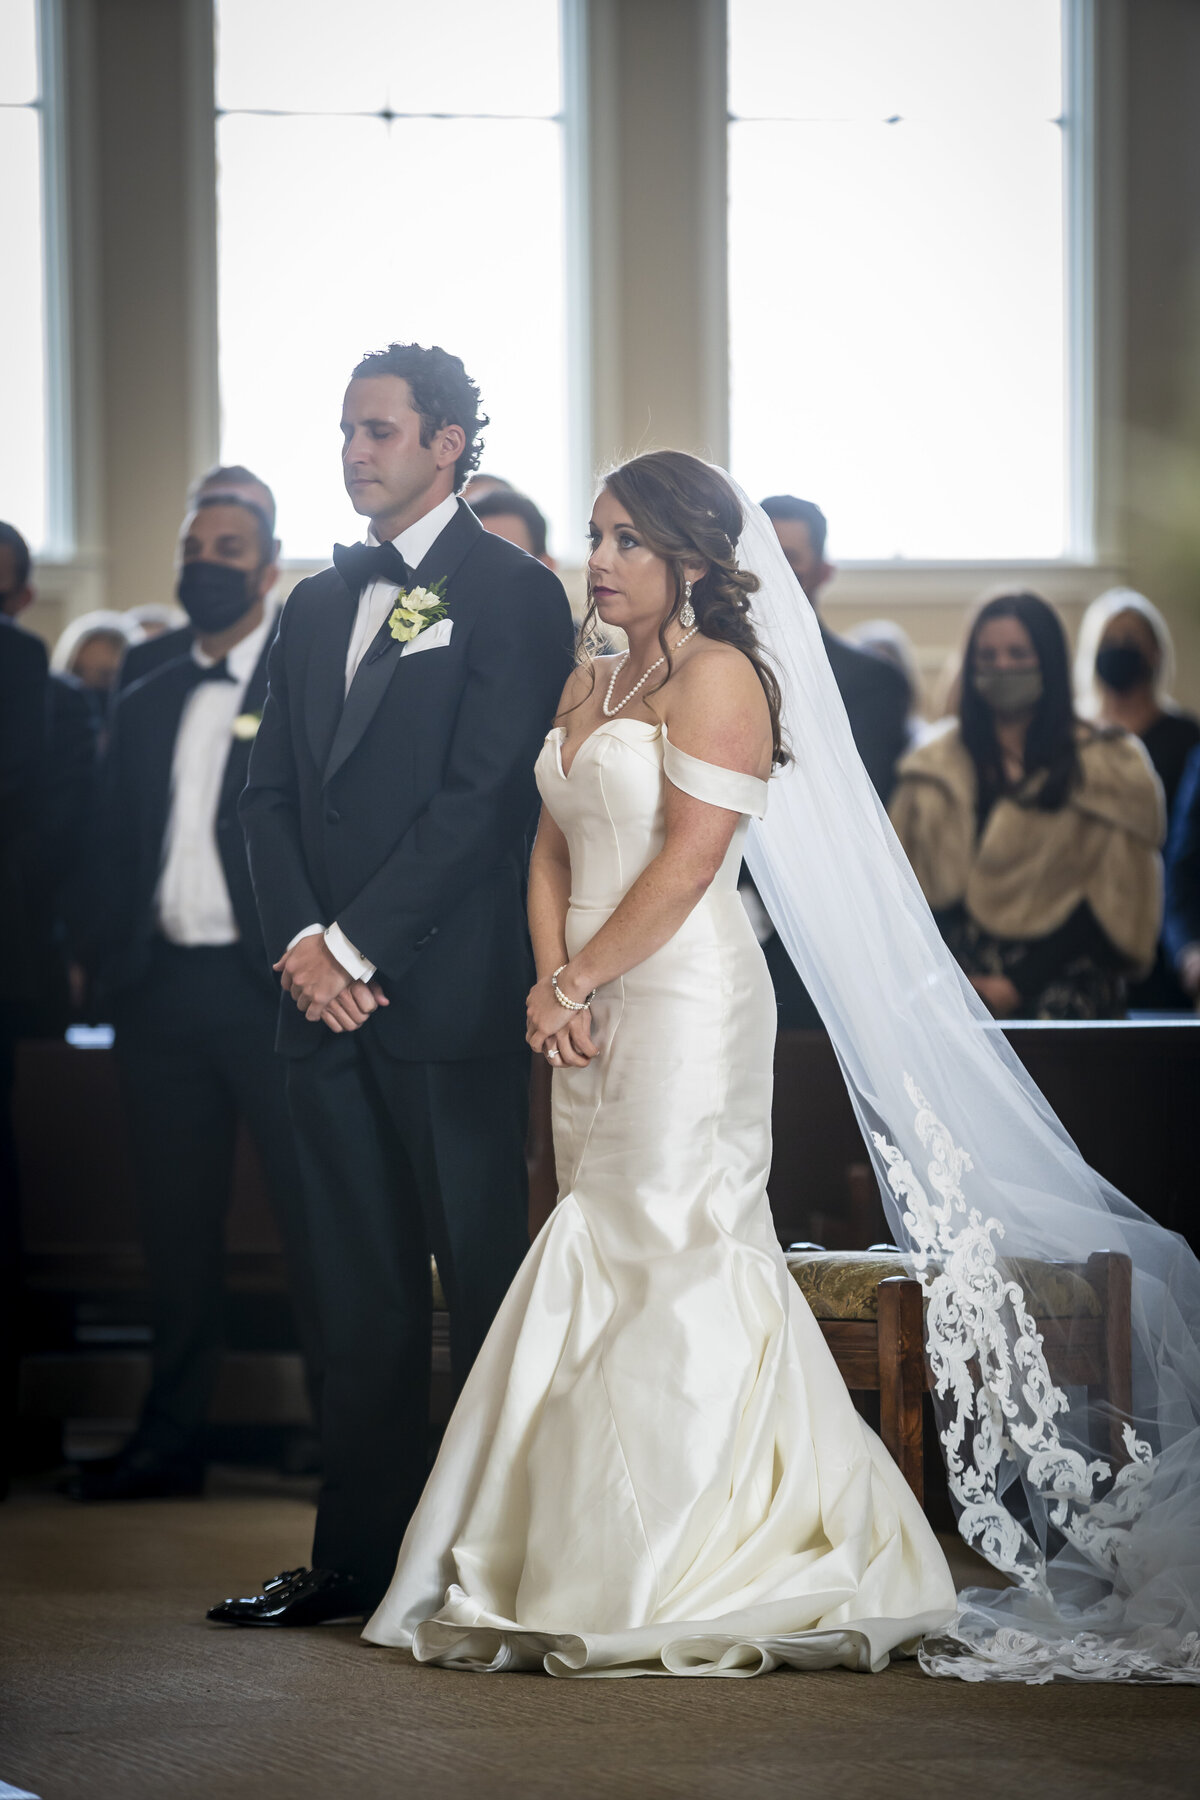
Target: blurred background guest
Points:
(886, 639)
(480, 484)
(92, 648)
(163, 647)
(22, 775)
(875, 694)
(1181, 925)
(179, 960)
(1034, 835)
(514, 516)
(1124, 668)
(154, 618)
(877, 698)
(64, 811)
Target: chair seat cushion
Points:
(844, 1284)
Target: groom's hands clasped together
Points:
(322, 988)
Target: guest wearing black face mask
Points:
(233, 481)
(1124, 667)
(1035, 836)
(179, 963)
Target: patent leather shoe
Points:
(137, 1475)
(297, 1597)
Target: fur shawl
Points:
(1027, 871)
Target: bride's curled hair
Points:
(687, 513)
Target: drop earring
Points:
(687, 612)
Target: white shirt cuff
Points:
(340, 947)
(309, 931)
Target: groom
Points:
(388, 810)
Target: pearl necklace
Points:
(606, 706)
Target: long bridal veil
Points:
(1089, 1505)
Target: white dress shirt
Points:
(374, 604)
(379, 597)
(192, 900)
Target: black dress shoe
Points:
(298, 1597)
(137, 1475)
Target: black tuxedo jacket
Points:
(141, 660)
(132, 826)
(876, 698)
(23, 757)
(403, 814)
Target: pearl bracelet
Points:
(571, 1005)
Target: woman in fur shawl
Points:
(1035, 836)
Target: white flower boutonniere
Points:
(246, 725)
(416, 610)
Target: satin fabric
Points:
(654, 1466)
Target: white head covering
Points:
(88, 625)
(1106, 606)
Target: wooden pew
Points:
(1123, 1090)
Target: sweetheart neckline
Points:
(558, 733)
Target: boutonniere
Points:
(246, 725)
(416, 610)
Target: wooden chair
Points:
(870, 1310)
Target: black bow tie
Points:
(361, 564)
(218, 671)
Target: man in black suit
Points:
(23, 678)
(1181, 920)
(178, 958)
(390, 798)
(226, 478)
(64, 814)
(875, 695)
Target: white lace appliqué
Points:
(988, 1364)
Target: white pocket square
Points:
(432, 638)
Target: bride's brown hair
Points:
(688, 513)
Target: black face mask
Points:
(214, 596)
(1123, 667)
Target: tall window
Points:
(896, 263)
(388, 170)
(23, 456)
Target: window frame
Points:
(1090, 526)
(575, 121)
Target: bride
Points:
(654, 1466)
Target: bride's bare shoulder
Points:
(720, 675)
(715, 706)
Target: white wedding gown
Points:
(654, 1466)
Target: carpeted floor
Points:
(112, 1687)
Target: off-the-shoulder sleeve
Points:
(716, 786)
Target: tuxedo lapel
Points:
(165, 696)
(325, 683)
(378, 667)
(237, 759)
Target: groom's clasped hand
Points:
(323, 990)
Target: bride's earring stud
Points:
(687, 612)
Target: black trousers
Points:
(195, 1047)
(10, 1247)
(400, 1159)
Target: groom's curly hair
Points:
(442, 393)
